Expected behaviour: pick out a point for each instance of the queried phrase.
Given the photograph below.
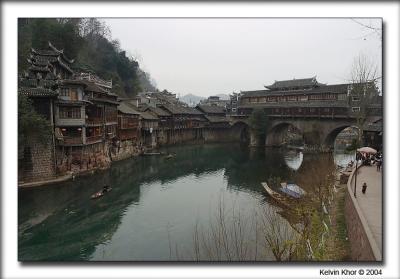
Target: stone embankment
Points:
(364, 215)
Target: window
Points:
(69, 112)
(342, 97)
(355, 99)
(349, 89)
(303, 98)
(74, 94)
(292, 98)
(64, 92)
(355, 109)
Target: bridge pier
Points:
(256, 139)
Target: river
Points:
(156, 206)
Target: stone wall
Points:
(82, 159)
(359, 234)
(37, 162)
(78, 159)
(126, 149)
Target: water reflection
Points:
(151, 198)
(293, 159)
(342, 159)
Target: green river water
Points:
(155, 205)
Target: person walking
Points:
(364, 188)
(378, 165)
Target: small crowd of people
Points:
(368, 159)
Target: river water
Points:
(156, 206)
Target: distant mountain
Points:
(191, 100)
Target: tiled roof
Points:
(159, 111)
(42, 60)
(37, 92)
(175, 109)
(127, 108)
(291, 83)
(216, 119)
(335, 88)
(39, 68)
(100, 100)
(211, 109)
(90, 86)
(297, 104)
(193, 111)
(148, 116)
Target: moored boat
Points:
(274, 194)
(286, 193)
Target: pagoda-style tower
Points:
(40, 84)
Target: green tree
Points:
(88, 41)
(259, 121)
(31, 124)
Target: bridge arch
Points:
(275, 134)
(330, 138)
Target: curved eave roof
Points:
(37, 92)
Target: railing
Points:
(94, 121)
(93, 139)
(73, 140)
(130, 126)
(95, 79)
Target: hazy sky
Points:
(213, 56)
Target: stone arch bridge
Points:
(318, 132)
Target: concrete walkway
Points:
(370, 203)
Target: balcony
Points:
(93, 139)
(94, 121)
(129, 126)
(72, 140)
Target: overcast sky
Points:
(214, 56)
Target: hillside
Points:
(88, 42)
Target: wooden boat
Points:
(286, 194)
(100, 193)
(274, 194)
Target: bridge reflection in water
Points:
(154, 201)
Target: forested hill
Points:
(87, 40)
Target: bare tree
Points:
(363, 89)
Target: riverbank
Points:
(364, 214)
(125, 151)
